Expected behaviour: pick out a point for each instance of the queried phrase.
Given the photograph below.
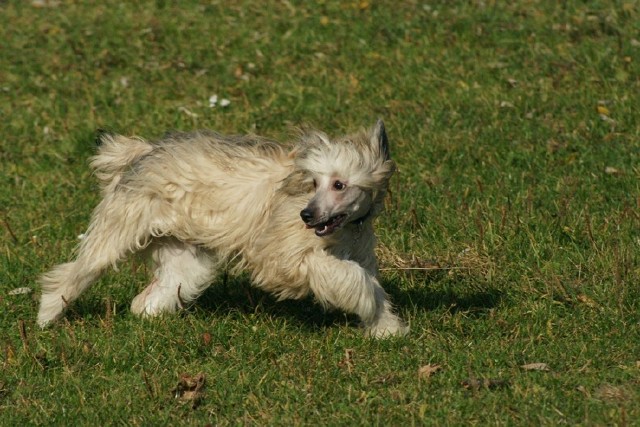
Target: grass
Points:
(516, 132)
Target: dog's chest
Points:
(353, 243)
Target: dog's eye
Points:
(314, 184)
(339, 186)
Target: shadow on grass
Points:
(236, 296)
(431, 294)
(228, 297)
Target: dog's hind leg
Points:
(182, 272)
(117, 227)
(346, 285)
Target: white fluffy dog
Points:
(299, 219)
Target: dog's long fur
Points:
(201, 202)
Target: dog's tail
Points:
(116, 154)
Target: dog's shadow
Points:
(236, 295)
(430, 295)
(232, 295)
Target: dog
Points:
(298, 218)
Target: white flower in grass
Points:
(213, 101)
(20, 291)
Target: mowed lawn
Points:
(510, 243)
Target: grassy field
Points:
(511, 242)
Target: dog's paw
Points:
(389, 325)
(155, 300)
(51, 309)
(45, 320)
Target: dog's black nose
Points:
(306, 215)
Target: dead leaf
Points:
(40, 4)
(603, 110)
(87, 347)
(190, 389)
(238, 72)
(206, 338)
(607, 119)
(587, 301)
(535, 367)
(354, 82)
(9, 354)
(610, 170)
(427, 371)
(612, 393)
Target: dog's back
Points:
(207, 188)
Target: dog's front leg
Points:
(346, 285)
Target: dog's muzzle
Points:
(307, 215)
(322, 228)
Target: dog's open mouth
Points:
(328, 227)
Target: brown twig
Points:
(11, 233)
(150, 389)
(422, 268)
(23, 335)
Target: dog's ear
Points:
(298, 182)
(101, 135)
(379, 137)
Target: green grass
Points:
(505, 121)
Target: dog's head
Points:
(348, 176)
